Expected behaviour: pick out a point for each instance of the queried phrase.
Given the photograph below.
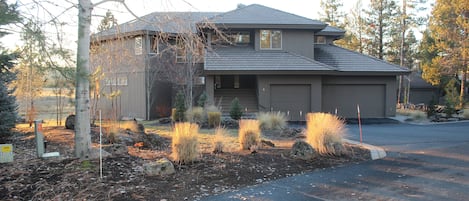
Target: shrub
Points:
(202, 100)
(8, 113)
(196, 115)
(235, 110)
(214, 119)
(272, 120)
(249, 133)
(178, 114)
(212, 108)
(184, 143)
(218, 143)
(418, 115)
(324, 132)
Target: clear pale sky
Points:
(305, 8)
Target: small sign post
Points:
(39, 137)
(6, 153)
(359, 124)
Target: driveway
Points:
(425, 162)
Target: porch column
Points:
(209, 89)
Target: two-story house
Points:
(275, 61)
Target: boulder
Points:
(303, 150)
(116, 149)
(268, 143)
(160, 167)
(70, 122)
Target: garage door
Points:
(292, 99)
(345, 98)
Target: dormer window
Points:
(320, 40)
(271, 39)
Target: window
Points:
(138, 45)
(116, 81)
(320, 40)
(271, 39)
(232, 38)
(180, 52)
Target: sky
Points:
(305, 8)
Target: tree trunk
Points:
(463, 87)
(82, 97)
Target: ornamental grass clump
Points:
(249, 134)
(185, 142)
(272, 120)
(218, 140)
(325, 132)
(196, 115)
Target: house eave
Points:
(257, 72)
(270, 26)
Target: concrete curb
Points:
(376, 152)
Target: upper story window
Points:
(320, 40)
(138, 45)
(181, 55)
(232, 38)
(271, 39)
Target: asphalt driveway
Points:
(425, 162)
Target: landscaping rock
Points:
(303, 150)
(70, 122)
(160, 167)
(268, 143)
(165, 120)
(116, 149)
(229, 123)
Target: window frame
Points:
(317, 41)
(138, 45)
(271, 31)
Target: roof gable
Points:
(259, 16)
(167, 22)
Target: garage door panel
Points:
(345, 99)
(291, 99)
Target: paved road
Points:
(428, 162)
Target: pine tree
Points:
(180, 107)
(8, 108)
(235, 110)
(8, 112)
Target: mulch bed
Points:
(68, 178)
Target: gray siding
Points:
(118, 60)
(299, 41)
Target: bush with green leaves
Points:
(325, 133)
(236, 111)
(272, 120)
(180, 109)
(451, 98)
(202, 100)
(8, 110)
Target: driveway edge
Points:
(375, 151)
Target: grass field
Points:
(46, 107)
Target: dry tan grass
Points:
(324, 131)
(219, 140)
(196, 114)
(214, 119)
(185, 142)
(249, 133)
(272, 120)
